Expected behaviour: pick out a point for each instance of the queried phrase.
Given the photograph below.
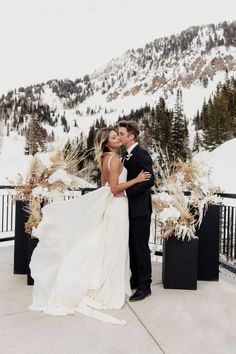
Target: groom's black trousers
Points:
(140, 258)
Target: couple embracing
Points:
(89, 246)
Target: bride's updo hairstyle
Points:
(100, 143)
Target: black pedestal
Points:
(21, 239)
(32, 243)
(208, 245)
(179, 268)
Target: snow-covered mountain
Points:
(195, 60)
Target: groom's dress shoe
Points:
(140, 294)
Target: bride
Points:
(81, 262)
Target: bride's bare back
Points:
(110, 172)
(111, 169)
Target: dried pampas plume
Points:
(179, 216)
(39, 175)
(35, 214)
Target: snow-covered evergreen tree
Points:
(36, 136)
(179, 131)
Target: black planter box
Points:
(21, 238)
(179, 268)
(32, 243)
(208, 245)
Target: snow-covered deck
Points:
(170, 321)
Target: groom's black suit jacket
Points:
(139, 195)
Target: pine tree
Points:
(179, 131)
(165, 123)
(66, 127)
(197, 143)
(36, 136)
(100, 123)
(90, 141)
(219, 116)
(8, 129)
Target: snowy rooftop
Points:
(170, 321)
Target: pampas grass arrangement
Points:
(57, 173)
(179, 215)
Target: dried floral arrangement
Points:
(177, 214)
(49, 176)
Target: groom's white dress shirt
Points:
(129, 150)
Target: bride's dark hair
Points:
(100, 143)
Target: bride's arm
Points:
(116, 187)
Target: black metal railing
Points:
(7, 214)
(8, 210)
(228, 233)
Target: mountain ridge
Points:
(195, 60)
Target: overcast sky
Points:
(46, 39)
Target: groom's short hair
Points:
(131, 126)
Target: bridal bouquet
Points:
(49, 176)
(179, 214)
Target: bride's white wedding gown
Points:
(81, 262)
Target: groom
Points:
(140, 209)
